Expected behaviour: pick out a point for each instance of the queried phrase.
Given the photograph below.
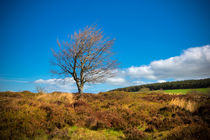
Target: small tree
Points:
(40, 89)
(86, 57)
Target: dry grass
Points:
(56, 97)
(189, 105)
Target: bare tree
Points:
(86, 56)
(40, 89)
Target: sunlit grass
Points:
(188, 105)
(186, 91)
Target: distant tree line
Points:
(186, 84)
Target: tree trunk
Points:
(80, 88)
(80, 91)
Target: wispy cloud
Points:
(138, 82)
(12, 80)
(55, 81)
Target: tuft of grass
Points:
(59, 98)
(189, 105)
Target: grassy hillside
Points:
(187, 91)
(109, 115)
(186, 84)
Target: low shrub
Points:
(190, 132)
(133, 134)
(144, 89)
(27, 121)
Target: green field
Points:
(188, 91)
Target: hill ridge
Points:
(185, 84)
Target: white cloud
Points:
(192, 63)
(66, 84)
(116, 81)
(161, 81)
(143, 71)
(67, 80)
(138, 82)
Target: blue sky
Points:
(155, 40)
